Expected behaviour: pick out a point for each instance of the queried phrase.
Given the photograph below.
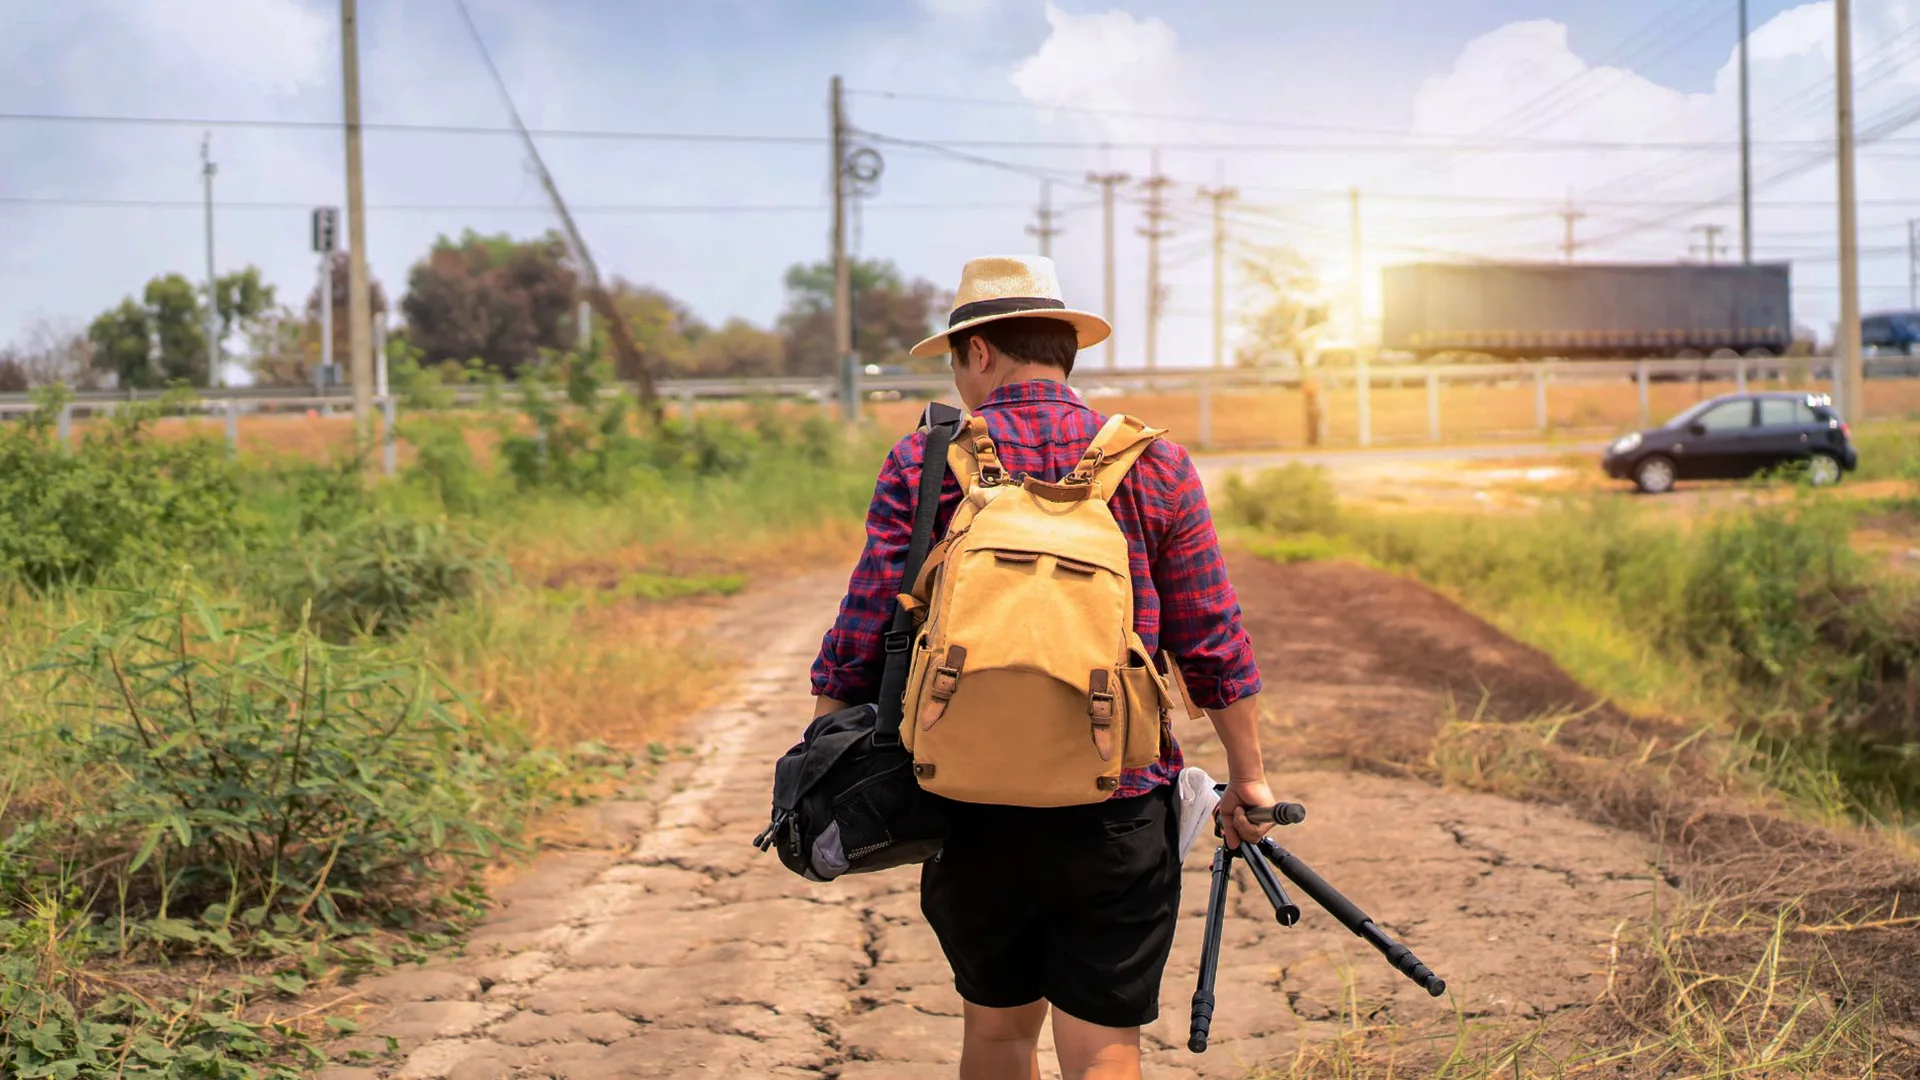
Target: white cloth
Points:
(1197, 800)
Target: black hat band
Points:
(1003, 306)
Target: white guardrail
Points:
(827, 391)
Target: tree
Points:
(342, 324)
(241, 298)
(665, 329)
(491, 298)
(739, 348)
(53, 353)
(1290, 311)
(159, 339)
(13, 372)
(890, 315)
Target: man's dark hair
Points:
(1034, 339)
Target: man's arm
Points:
(1200, 626)
(852, 653)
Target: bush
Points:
(233, 774)
(70, 516)
(1294, 498)
(379, 575)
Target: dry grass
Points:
(1790, 953)
(1249, 419)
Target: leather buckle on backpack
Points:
(945, 681)
(1100, 707)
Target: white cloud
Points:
(1106, 60)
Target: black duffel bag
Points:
(845, 800)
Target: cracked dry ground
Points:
(680, 951)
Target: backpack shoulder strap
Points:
(1111, 454)
(972, 456)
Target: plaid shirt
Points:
(1182, 600)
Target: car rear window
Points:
(1727, 417)
(1786, 412)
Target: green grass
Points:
(191, 780)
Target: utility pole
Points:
(1712, 245)
(1046, 230)
(207, 170)
(1746, 150)
(1155, 213)
(1913, 263)
(1846, 343)
(1569, 215)
(1107, 182)
(1362, 384)
(842, 270)
(1219, 196)
(359, 309)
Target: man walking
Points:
(1072, 907)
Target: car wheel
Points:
(1654, 475)
(1823, 470)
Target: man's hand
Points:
(1232, 811)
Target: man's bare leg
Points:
(1091, 1052)
(1002, 1044)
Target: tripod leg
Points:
(1350, 916)
(1284, 909)
(1202, 1016)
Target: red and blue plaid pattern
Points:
(1182, 600)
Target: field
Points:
(1244, 419)
(451, 774)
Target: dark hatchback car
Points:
(1735, 436)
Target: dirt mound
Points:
(1355, 660)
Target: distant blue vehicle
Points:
(1891, 331)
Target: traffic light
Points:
(326, 229)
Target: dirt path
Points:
(685, 953)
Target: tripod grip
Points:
(1286, 813)
(1407, 964)
(1202, 1022)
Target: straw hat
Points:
(997, 287)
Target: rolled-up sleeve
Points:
(853, 651)
(1199, 612)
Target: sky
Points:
(1466, 125)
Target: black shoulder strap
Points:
(942, 423)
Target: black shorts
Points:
(1073, 904)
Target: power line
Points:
(332, 126)
(586, 208)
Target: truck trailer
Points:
(1587, 310)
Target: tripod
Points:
(1285, 911)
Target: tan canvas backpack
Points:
(1028, 685)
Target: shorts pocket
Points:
(1120, 830)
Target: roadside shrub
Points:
(444, 465)
(232, 774)
(1293, 498)
(379, 575)
(70, 516)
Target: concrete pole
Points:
(1219, 196)
(1433, 405)
(1640, 377)
(359, 306)
(207, 171)
(326, 321)
(1362, 384)
(1846, 345)
(1746, 150)
(583, 326)
(842, 270)
(1107, 182)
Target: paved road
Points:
(682, 952)
(1337, 459)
